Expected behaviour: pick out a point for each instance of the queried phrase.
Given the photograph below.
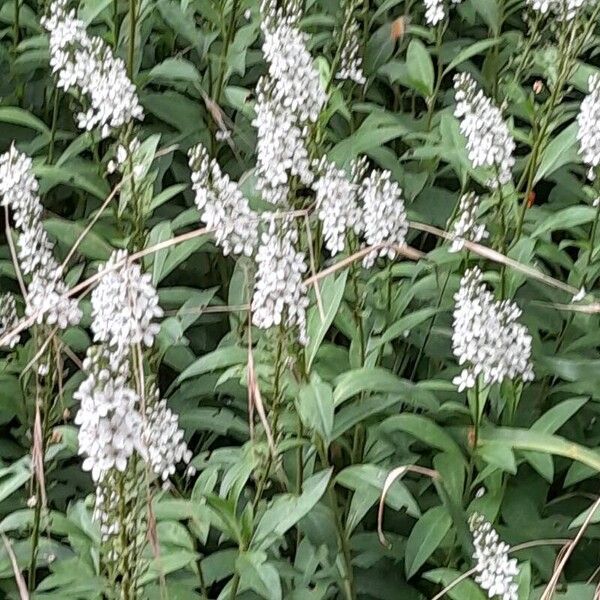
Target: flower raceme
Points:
(466, 228)
(8, 319)
(85, 64)
(489, 142)
(350, 54)
(487, 339)
(124, 305)
(280, 294)
(222, 205)
(46, 298)
(588, 121)
(496, 572)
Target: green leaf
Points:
(376, 379)
(221, 358)
(332, 292)
(552, 420)
(258, 575)
(19, 116)
(562, 150)
(67, 232)
(315, 406)
(425, 537)
(288, 509)
(524, 439)
(356, 477)
(420, 67)
(423, 429)
(402, 325)
(174, 69)
(565, 219)
(471, 50)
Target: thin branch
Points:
(21, 585)
(551, 587)
(13, 253)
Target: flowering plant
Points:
(299, 299)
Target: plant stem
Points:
(348, 576)
(53, 127)
(225, 51)
(132, 28)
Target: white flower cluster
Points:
(496, 572)
(337, 200)
(124, 305)
(280, 148)
(289, 98)
(109, 425)
(8, 319)
(466, 227)
(112, 427)
(384, 217)
(488, 139)
(563, 9)
(296, 84)
(163, 440)
(588, 120)
(436, 11)
(47, 299)
(487, 337)
(86, 64)
(350, 58)
(280, 295)
(222, 205)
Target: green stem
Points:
(235, 584)
(132, 28)
(16, 25)
(53, 127)
(115, 23)
(441, 28)
(430, 328)
(226, 44)
(575, 42)
(348, 576)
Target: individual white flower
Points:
(8, 320)
(350, 57)
(384, 217)
(588, 133)
(337, 200)
(296, 84)
(580, 295)
(464, 381)
(86, 64)
(110, 425)
(563, 9)
(496, 572)
(487, 337)
(163, 440)
(280, 148)
(46, 298)
(222, 205)
(436, 10)
(466, 227)
(489, 142)
(124, 305)
(280, 295)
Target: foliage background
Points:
(379, 392)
